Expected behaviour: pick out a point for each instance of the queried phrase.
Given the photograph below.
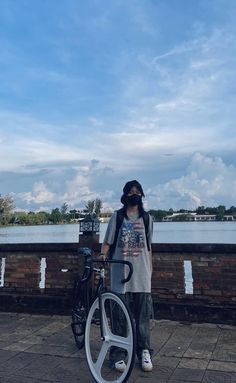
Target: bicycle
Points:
(93, 323)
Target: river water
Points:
(164, 232)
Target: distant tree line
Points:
(62, 214)
(8, 215)
(6, 209)
(219, 211)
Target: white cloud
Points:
(135, 97)
(82, 187)
(208, 181)
(26, 141)
(78, 189)
(39, 195)
(96, 122)
(75, 188)
(23, 152)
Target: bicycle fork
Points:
(100, 304)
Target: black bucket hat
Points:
(128, 186)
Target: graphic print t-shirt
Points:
(131, 246)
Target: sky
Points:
(97, 93)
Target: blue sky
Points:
(96, 93)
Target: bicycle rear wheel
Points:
(99, 352)
(79, 314)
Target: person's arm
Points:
(151, 265)
(109, 237)
(105, 250)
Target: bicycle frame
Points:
(98, 321)
(87, 274)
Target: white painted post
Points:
(3, 265)
(43, 266)
(188, 277)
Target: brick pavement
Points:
(41, 349)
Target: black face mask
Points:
(134, 199)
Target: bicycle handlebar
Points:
(87, 253)
(122, 262)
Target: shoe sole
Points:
(147, 370)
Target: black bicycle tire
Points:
(132, 359)
(78, 329)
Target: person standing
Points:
(132, 241)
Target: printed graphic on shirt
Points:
(131, 239)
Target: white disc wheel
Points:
(117, 343)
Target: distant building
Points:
(197, 217)
(105, 216)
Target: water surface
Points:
(164, 232)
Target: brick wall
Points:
(39, 277)
(213, 272)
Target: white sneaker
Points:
(120, 366)
(146, 361)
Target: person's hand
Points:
(102, 257)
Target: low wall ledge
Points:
(157, 247)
